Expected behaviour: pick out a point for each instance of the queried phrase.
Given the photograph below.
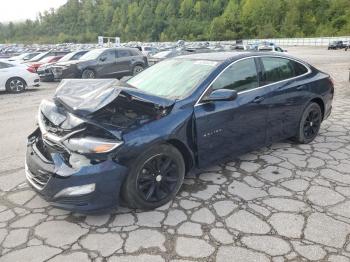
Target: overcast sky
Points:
(19, 10)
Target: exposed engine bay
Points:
(124, 113)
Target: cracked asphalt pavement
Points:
(285, 202)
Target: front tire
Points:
(88, 74)
(310, 124)
(15, 85)
(154, 178)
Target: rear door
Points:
(124, 59)
(289, 92)
(228, 128)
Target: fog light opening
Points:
(76, 191)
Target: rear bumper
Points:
(48, 177)
(327, 113)
(33, 80)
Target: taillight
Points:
(31, 69)
(331, 81)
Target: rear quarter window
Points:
(135, 52)
(299, 69)
(4, 65)
(278, 69)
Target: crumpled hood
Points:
(84, 97)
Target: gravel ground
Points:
(283, 202)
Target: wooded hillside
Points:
(168, 20)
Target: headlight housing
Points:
(91, 145)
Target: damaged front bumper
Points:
(93, 187)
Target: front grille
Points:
(38, 180)
(41, 148)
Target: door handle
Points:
(258, 99)
(301, 88)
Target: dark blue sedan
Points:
(102, 140)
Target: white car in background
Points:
(270, 48)
(23, 57)
(148, 50)
(15, 78)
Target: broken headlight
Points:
(91, 145)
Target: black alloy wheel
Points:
(310, 124)
(158, 178)
(154, 177)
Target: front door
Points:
(107, 63)
(225, 129)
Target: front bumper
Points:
(45, 75)
(49, 174)
(63, 73)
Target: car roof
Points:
(214, 56)
(116, 48)
(228, 56)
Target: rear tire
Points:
(310, 124)
(155, 177)
(88, 74)
(15, 85)
(137, 69)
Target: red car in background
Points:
(33, 67)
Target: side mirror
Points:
(222, 95)
(103, 58)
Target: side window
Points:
(109, 56)
(123, 53)
(276, 69)
(77, 56)
(240, 76)
(4, 65)
(299, 69)
(135, 52)
(278, 49)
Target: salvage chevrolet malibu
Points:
(100, 141)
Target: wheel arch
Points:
(320, 102)
(12, 77)
(185, 152)
(138, 63)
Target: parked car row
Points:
(117, 62)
